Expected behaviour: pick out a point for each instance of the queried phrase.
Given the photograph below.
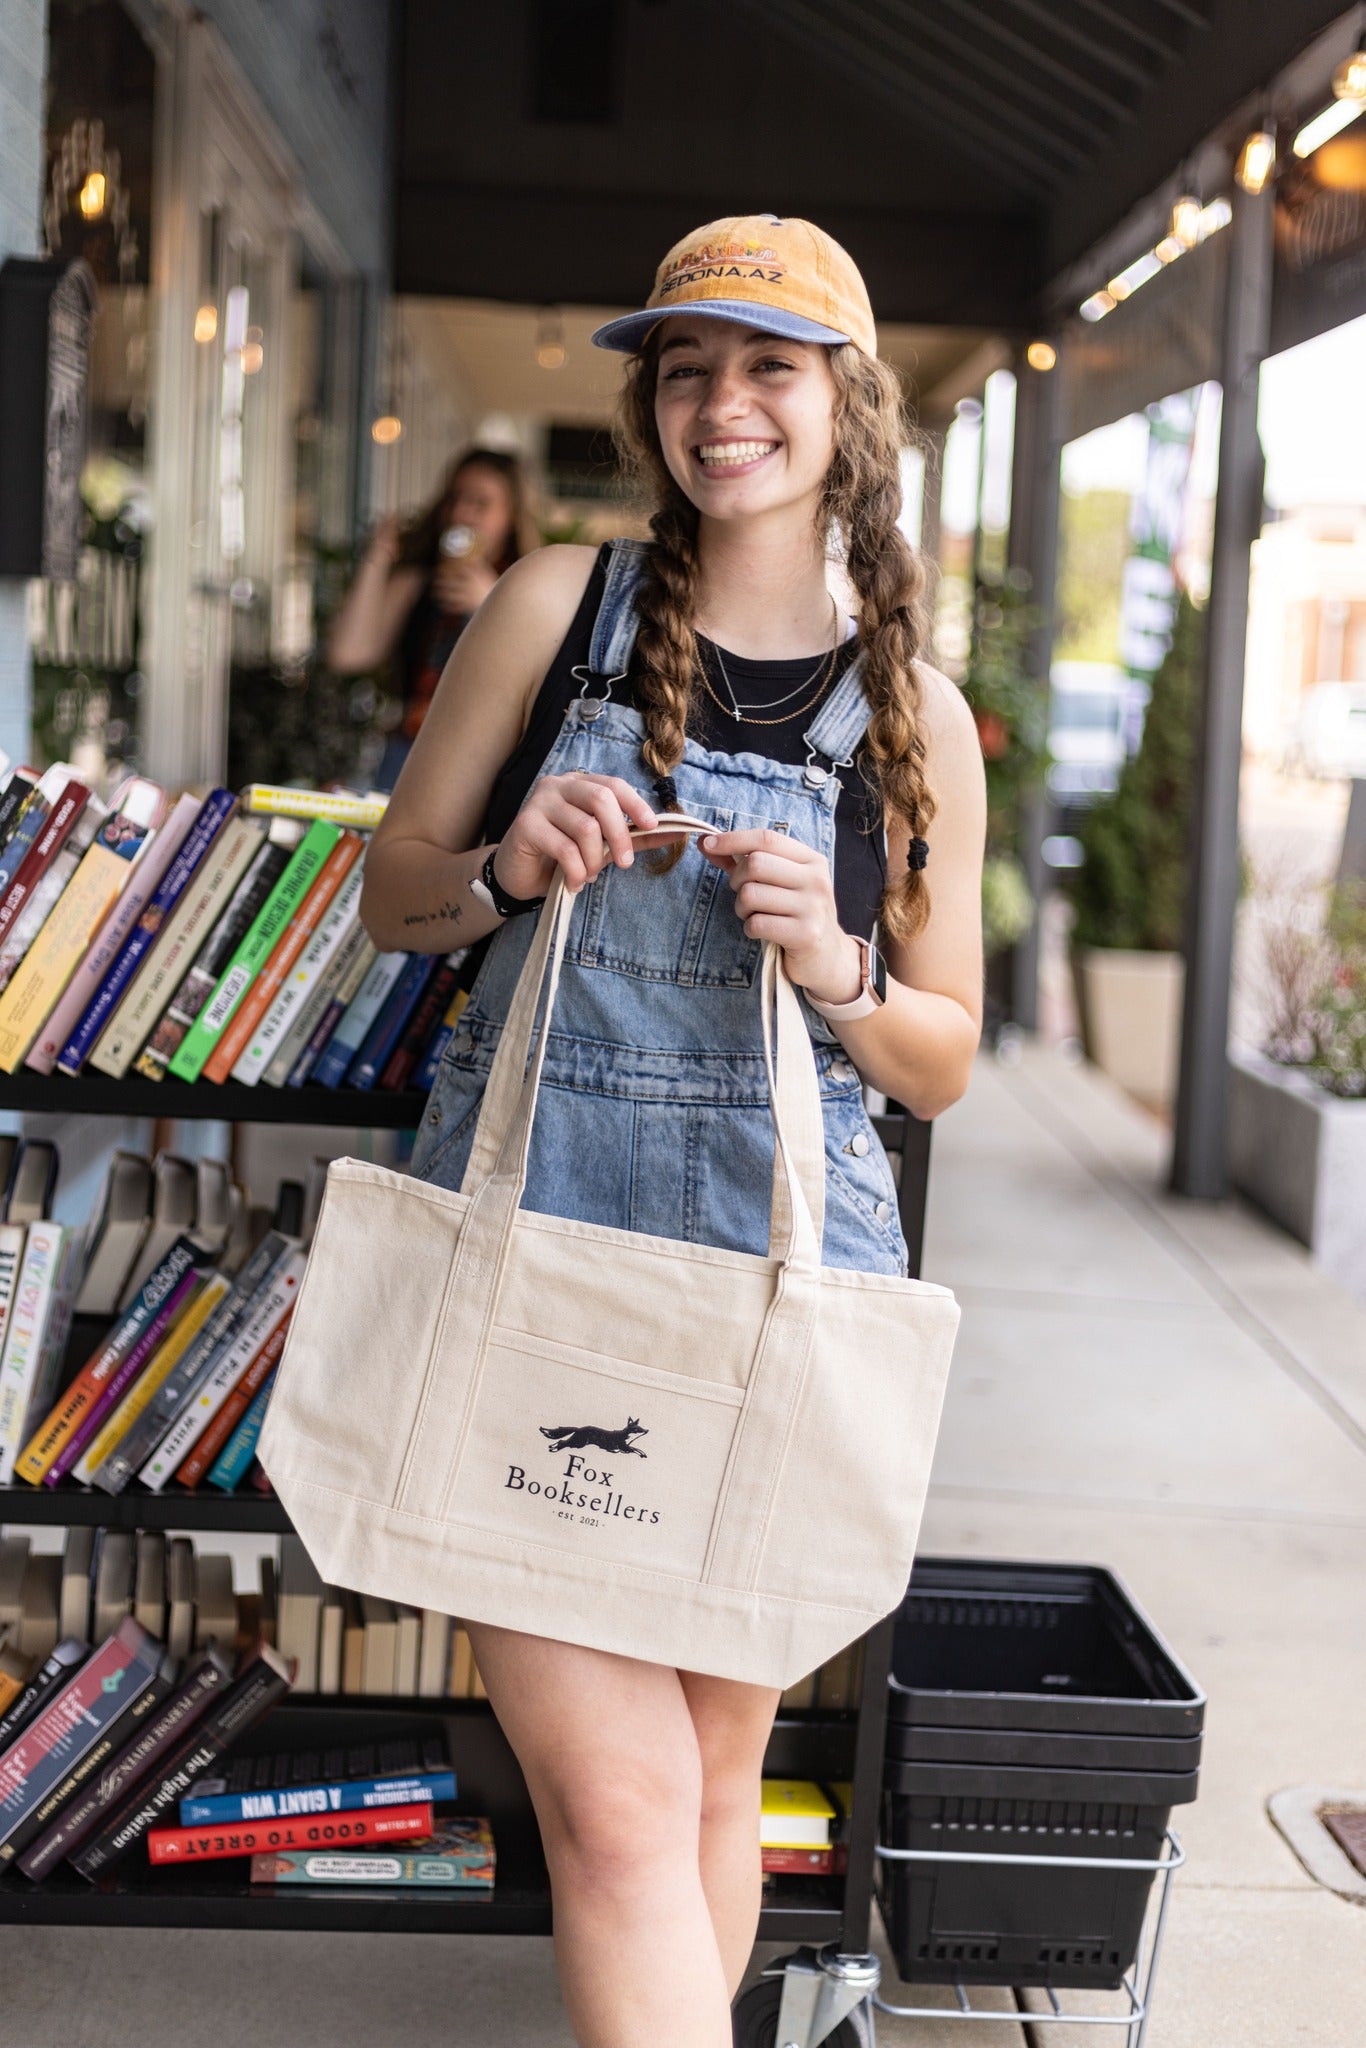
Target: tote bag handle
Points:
(502, 1137)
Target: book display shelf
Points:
(809, 1743)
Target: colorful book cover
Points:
(36, 811)
(240, 1449)
(138, 1707)
(349, 984)
(217, 808)
(269, 979)
(109, 940)
(196, 1363)
(166, 965)
(255, 949)
(246, 1701)
(46, 893)
(11, 1260)
(275, 1305)
(459, 1854)
(388, 1028)
(13, 798)
(794, 1814)
(401, 1064)
(47, 844)
(159, 1367)
(33, 1296)
(66, 1658)
(289, 1802)
(306, 1014)
(365, 1006)
(127, 1371)
(84, 1394)
(213, 956)
(341, 806)
(214, 1842)
(206, 1682)
(262, 1368)
(73, 1720)
(308, 973)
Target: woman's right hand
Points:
(578, 823)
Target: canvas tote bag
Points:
(695, 1456)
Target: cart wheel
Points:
(754, 2020)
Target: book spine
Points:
(195, 1418)
(252, 1696)
(73, 1721)
(439, 1040)
(37, 809)
(312, 907)
(426, 1018)
(176, 1343)
(374, 991)
(297, 990)
(362, 812)
(388, 1027)
(213, 1020)
(109, 940)
(27, 926)
(255, 1837)
(126, 1725)
(55, 954)
(69, 1654)
(308, 1013)
(177, 1718)
(50, 1439)
(122, 1377)
(348, 987)
(239, 1399)
(182, 1382)
(14, 796)
(246, 900)
(172, 952)
(797, 1862)
(42, 853)
(290, 1802)
(216, 809)
(29, 1271)
(240, 1448)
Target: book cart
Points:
(822, 1989)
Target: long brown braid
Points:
(858, 511)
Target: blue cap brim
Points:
(630, 330)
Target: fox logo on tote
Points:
(604, 1499)
(588, 1437)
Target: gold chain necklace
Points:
(732, 710)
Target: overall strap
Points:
(839, 725)
(614, 629)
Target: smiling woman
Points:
(711, 673)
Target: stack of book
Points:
(336, 1642)
(212, 937)
(41, 1264)
(100, 1744)
(799, 1827)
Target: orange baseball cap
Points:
(786, 277)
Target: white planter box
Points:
(1300, 1153)
(1131, 1018)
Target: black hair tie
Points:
(666, 790)
(918, 854)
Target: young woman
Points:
(709, 671)
(412, 598)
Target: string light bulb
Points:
(1349, 80)
(1256, 161)
(93, 193)
(551, 353)
(1041, 355)
(206, 323)
(1185, 224)
(386, 429)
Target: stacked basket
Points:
(1033, 1711)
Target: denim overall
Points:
(653, 1111)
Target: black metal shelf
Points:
(254, 1514)
(232, 1102)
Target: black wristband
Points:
(490, 890)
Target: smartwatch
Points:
(872, 994)
(490, 891)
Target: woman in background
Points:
(418, 587)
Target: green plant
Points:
(1131, 889)
(1009, 706)
(1338, 1059)
(1007, 903)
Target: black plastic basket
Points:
(1033, 1709)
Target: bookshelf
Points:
(808, 1743)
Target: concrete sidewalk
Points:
(1166, 1388)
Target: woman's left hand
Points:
(784, 891)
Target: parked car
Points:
(1086, 714)
(1328, 739)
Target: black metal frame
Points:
(807, 1743)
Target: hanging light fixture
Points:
(93, 195)
(1256, 160)
(1349, 80)
(1326, 125)
(1041, 355)
(385, 430)
(551, 352)
(1185, 223)
(206, 323)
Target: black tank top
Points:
(860, 854)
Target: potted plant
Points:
(1297, 1102)
(1129, 893)
(1011, 714)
